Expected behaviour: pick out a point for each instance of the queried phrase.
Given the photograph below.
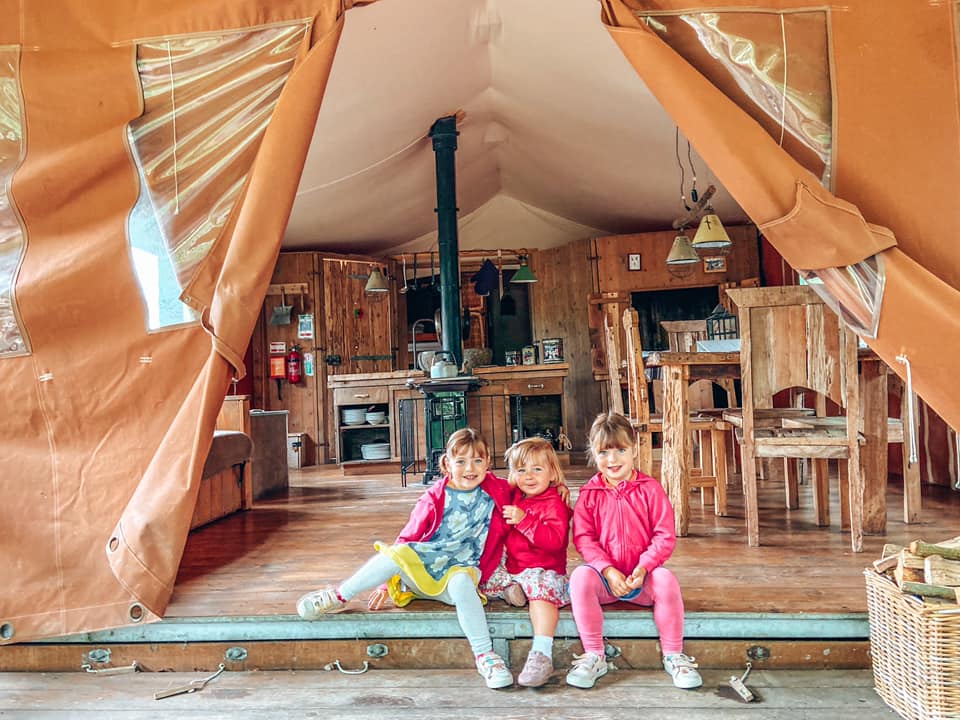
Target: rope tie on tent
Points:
(911, 421)
(956, 455)
(783, 94)
(173, 114)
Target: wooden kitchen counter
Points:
(496, 408)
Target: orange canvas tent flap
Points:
(810, 226)
(105, 423)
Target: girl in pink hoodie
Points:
(623, 526)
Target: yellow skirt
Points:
(412, 566)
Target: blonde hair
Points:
(465, 439)
(519, 453)
(610, 430)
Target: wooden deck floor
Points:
(406, 695)
(260, 561)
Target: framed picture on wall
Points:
(715, 264)
(552, 350)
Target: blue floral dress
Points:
(427, 566)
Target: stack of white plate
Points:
(376, 418)
(375, 451)
(354, 416)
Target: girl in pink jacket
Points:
(452, 542)
(623, 526)
(535, 562)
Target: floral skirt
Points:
(537, 583)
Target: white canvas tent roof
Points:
(560, 140)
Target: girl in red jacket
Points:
(535, 563)
(623, 526)
(452, 542)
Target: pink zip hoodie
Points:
(626, 526)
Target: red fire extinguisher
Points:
(294, 365)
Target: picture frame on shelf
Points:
(715, 264)
(551, 350)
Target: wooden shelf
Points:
(365, 426)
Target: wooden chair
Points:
(790, 339)
(711, 476)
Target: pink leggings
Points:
(588, 594)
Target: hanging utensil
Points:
(281, 312)
(508, 306)
(403, 288)
(434, 285)
(413, 284)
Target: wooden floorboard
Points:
(833, 695)
(258, 562)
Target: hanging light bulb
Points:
(376, 283)
(711, 235)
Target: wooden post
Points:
(677, 452)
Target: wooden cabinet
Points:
(354, 394)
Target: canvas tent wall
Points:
(108, 410)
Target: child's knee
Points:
(584, 577)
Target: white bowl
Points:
(375, 418)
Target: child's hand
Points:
(564, 492)
(636, 578)
(513, 514)
(377, 599)
(616, 581)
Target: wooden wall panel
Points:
(300, 400)
(743, 261)
(560, 309)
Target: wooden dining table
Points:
(677, 371)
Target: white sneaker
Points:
(683, 670)
(494, 670)
(586, 669)
(319, 602)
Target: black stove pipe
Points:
(444, 134)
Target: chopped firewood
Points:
(889, 550)
(938, 570)
(919, 547)
(909, 568)
(935, 591)
(887, 563)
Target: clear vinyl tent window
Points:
(774, 65)
(854, 292)
(13, 339)
(207, 101)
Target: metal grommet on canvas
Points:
(113, 543)
(6, 631)
(136, 612)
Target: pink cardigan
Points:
(428, 512)
(626, 526)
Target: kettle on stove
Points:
(443, 365)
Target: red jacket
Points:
(626, 526)
(428, 512)
(540, 539)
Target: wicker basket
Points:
(916, 651)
